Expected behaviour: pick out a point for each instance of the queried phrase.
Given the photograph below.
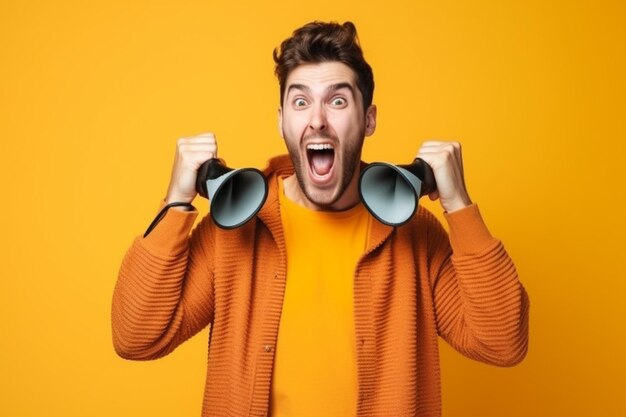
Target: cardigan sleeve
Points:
(480, 305)
(164, 290)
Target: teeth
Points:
(319, 146)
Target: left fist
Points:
(447, 163)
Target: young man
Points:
(315, 307)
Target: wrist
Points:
(457, 204)
(185, 207)
(169, 206)
(173, 198)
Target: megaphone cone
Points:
(236, 195)
(391, 192)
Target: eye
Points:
(299, 102)
(338, 102)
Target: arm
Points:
(164, 292)
(481, 307)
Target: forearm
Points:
(157, 301)
(490, 319)
(483, 306)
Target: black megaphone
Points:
(391, 192)
(236, 195)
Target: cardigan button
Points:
(268, 348)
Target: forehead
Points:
(320, 75)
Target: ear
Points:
(280, 122)
(370, 120)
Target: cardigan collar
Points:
(282, 167)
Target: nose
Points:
(318, 118)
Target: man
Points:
(315, 307)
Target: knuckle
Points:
(205, 136)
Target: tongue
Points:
(322, 162)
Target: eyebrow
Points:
(332, 87)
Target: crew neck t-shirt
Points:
(315, 370)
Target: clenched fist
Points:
(190, 154)
(447, 163)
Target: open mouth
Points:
(321, 158)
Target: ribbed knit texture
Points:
(412, 284)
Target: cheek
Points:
(348, 127)
(294, 124)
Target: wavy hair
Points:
(318, 42)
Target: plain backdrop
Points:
(94, 94)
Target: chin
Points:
(322, 199)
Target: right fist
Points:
(190, 154)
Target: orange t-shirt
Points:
(315, 365)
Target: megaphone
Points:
(236, 195)
(391, 192)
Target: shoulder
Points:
(425, 232)
(279, 165)
(424, 221)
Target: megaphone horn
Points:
(236, 195)
(391, 192)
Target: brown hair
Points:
(318, 42)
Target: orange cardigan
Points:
(411, 285)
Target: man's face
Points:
(323, 123)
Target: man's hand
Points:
(190, 154)
(447, 164)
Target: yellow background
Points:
(93, 96)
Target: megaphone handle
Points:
(425, 173)
(209, 170)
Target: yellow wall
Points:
(93, 96)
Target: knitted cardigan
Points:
(412, 284)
